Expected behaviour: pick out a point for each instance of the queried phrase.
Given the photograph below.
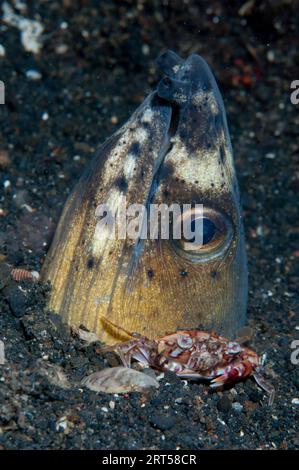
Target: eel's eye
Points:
(205, 234)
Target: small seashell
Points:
(54, 374)
(86, 336)
(20, 274)
(62, 424)
(4, 159)
(28, 208)
(61, 49)
(119, 380)
(295, 401)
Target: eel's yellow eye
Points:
(205, 235)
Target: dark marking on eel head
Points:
(222, 154)
(121, 183)
(150, 273)
(134, 149)
(90, 263)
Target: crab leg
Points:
(265, 386)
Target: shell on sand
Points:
(20, 274)
(119, 380)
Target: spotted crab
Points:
(195, 354)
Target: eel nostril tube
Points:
(169, 62)
(167, 82)
(174, 91)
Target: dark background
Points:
(96, 64)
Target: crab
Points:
(194, 354)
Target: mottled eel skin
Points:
(174, 149)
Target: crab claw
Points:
(232, 373)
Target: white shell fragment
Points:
(2, 51)
(31, 30)
(119, 380)
(86, 336)
(32, 74)
(2, 353)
